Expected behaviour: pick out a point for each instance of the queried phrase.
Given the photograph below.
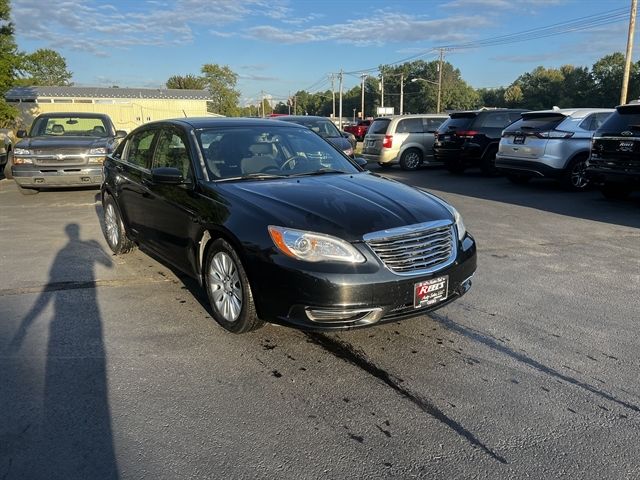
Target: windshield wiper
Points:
(321, 171)
(252, 176)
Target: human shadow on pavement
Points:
(74, 439)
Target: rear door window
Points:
(410, 125)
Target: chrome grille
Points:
(415, 249)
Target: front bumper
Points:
(68, 176)
(599, 176)
(369, 294)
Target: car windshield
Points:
(69, 126)
(236, 153)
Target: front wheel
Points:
(411, 159)
(228, 289)
(114, 232)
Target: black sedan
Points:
(277, 225)
(326, 129)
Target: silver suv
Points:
(550, 143)
(404, 139)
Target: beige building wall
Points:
(126, 114)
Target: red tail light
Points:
(466, 133)
(388, 141)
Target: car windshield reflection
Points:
(268, 152)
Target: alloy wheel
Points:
(225, 287)
(111, 224)
(578, 175)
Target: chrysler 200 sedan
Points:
(280, 226)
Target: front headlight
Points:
(462, 230)
(21, 151)
(98, 151)
(313, 247)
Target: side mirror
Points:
(166, 176)
(121, 134)
(361, 161)
(21, 133)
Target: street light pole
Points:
(440, 80)
(364, 75)
(401, 93)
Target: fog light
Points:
(347, 315)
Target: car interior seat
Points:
(260, 158)
(57, 129)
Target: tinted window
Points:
(379, 126)
(456, 122)
(495, 120)
(410, 125)
(171, 151)
(624, 119)
(537, 122)
(139, 150)
(273, 150)
(324, 128)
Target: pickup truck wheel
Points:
(575, 177)
(7, 166)
(115, 233)
(612, 191)
(228, 289)
(411, 159)
(27, 191)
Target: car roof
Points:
(73, 114)
(413, 115)
(571, 112)
(293, 118)
(209, 122)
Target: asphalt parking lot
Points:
(111, 367)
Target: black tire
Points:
(228, 289)
(7, 166)
(455, 166)
(575, 177)
(114, 231)
(27, 191)
(518, 179)
(385, 165)
(411, 159)
(615, 191)
(488, 161)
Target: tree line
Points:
(542, 88)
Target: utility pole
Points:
(262, 101)
(627, 63)
(440, 80)
(340, 111)
(295, 104)
(333, 94)
(289, 102)
(401, 93)
(364, 76)
(382, 90)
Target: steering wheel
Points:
(291, 159)
(270, 169)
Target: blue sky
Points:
(281, 46)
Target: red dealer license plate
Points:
(430, 292)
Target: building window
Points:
(43, 100)
(83, 100)
(62, 100)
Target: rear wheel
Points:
(488, 161)
(27, 191)
(613, 191)
(228, 289)
(575, 176)
(114, 232)
(411, 159)
(518, 179)
(455, 166)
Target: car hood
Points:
(343, 205)
(74, 143)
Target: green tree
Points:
(513, 96)
(607, 77)
(541, 88)
(221, 82)
(186, 82)
(44, 67)
(9, 63)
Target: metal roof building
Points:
(127, 107)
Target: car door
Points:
(174, 206)
(132, 191)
